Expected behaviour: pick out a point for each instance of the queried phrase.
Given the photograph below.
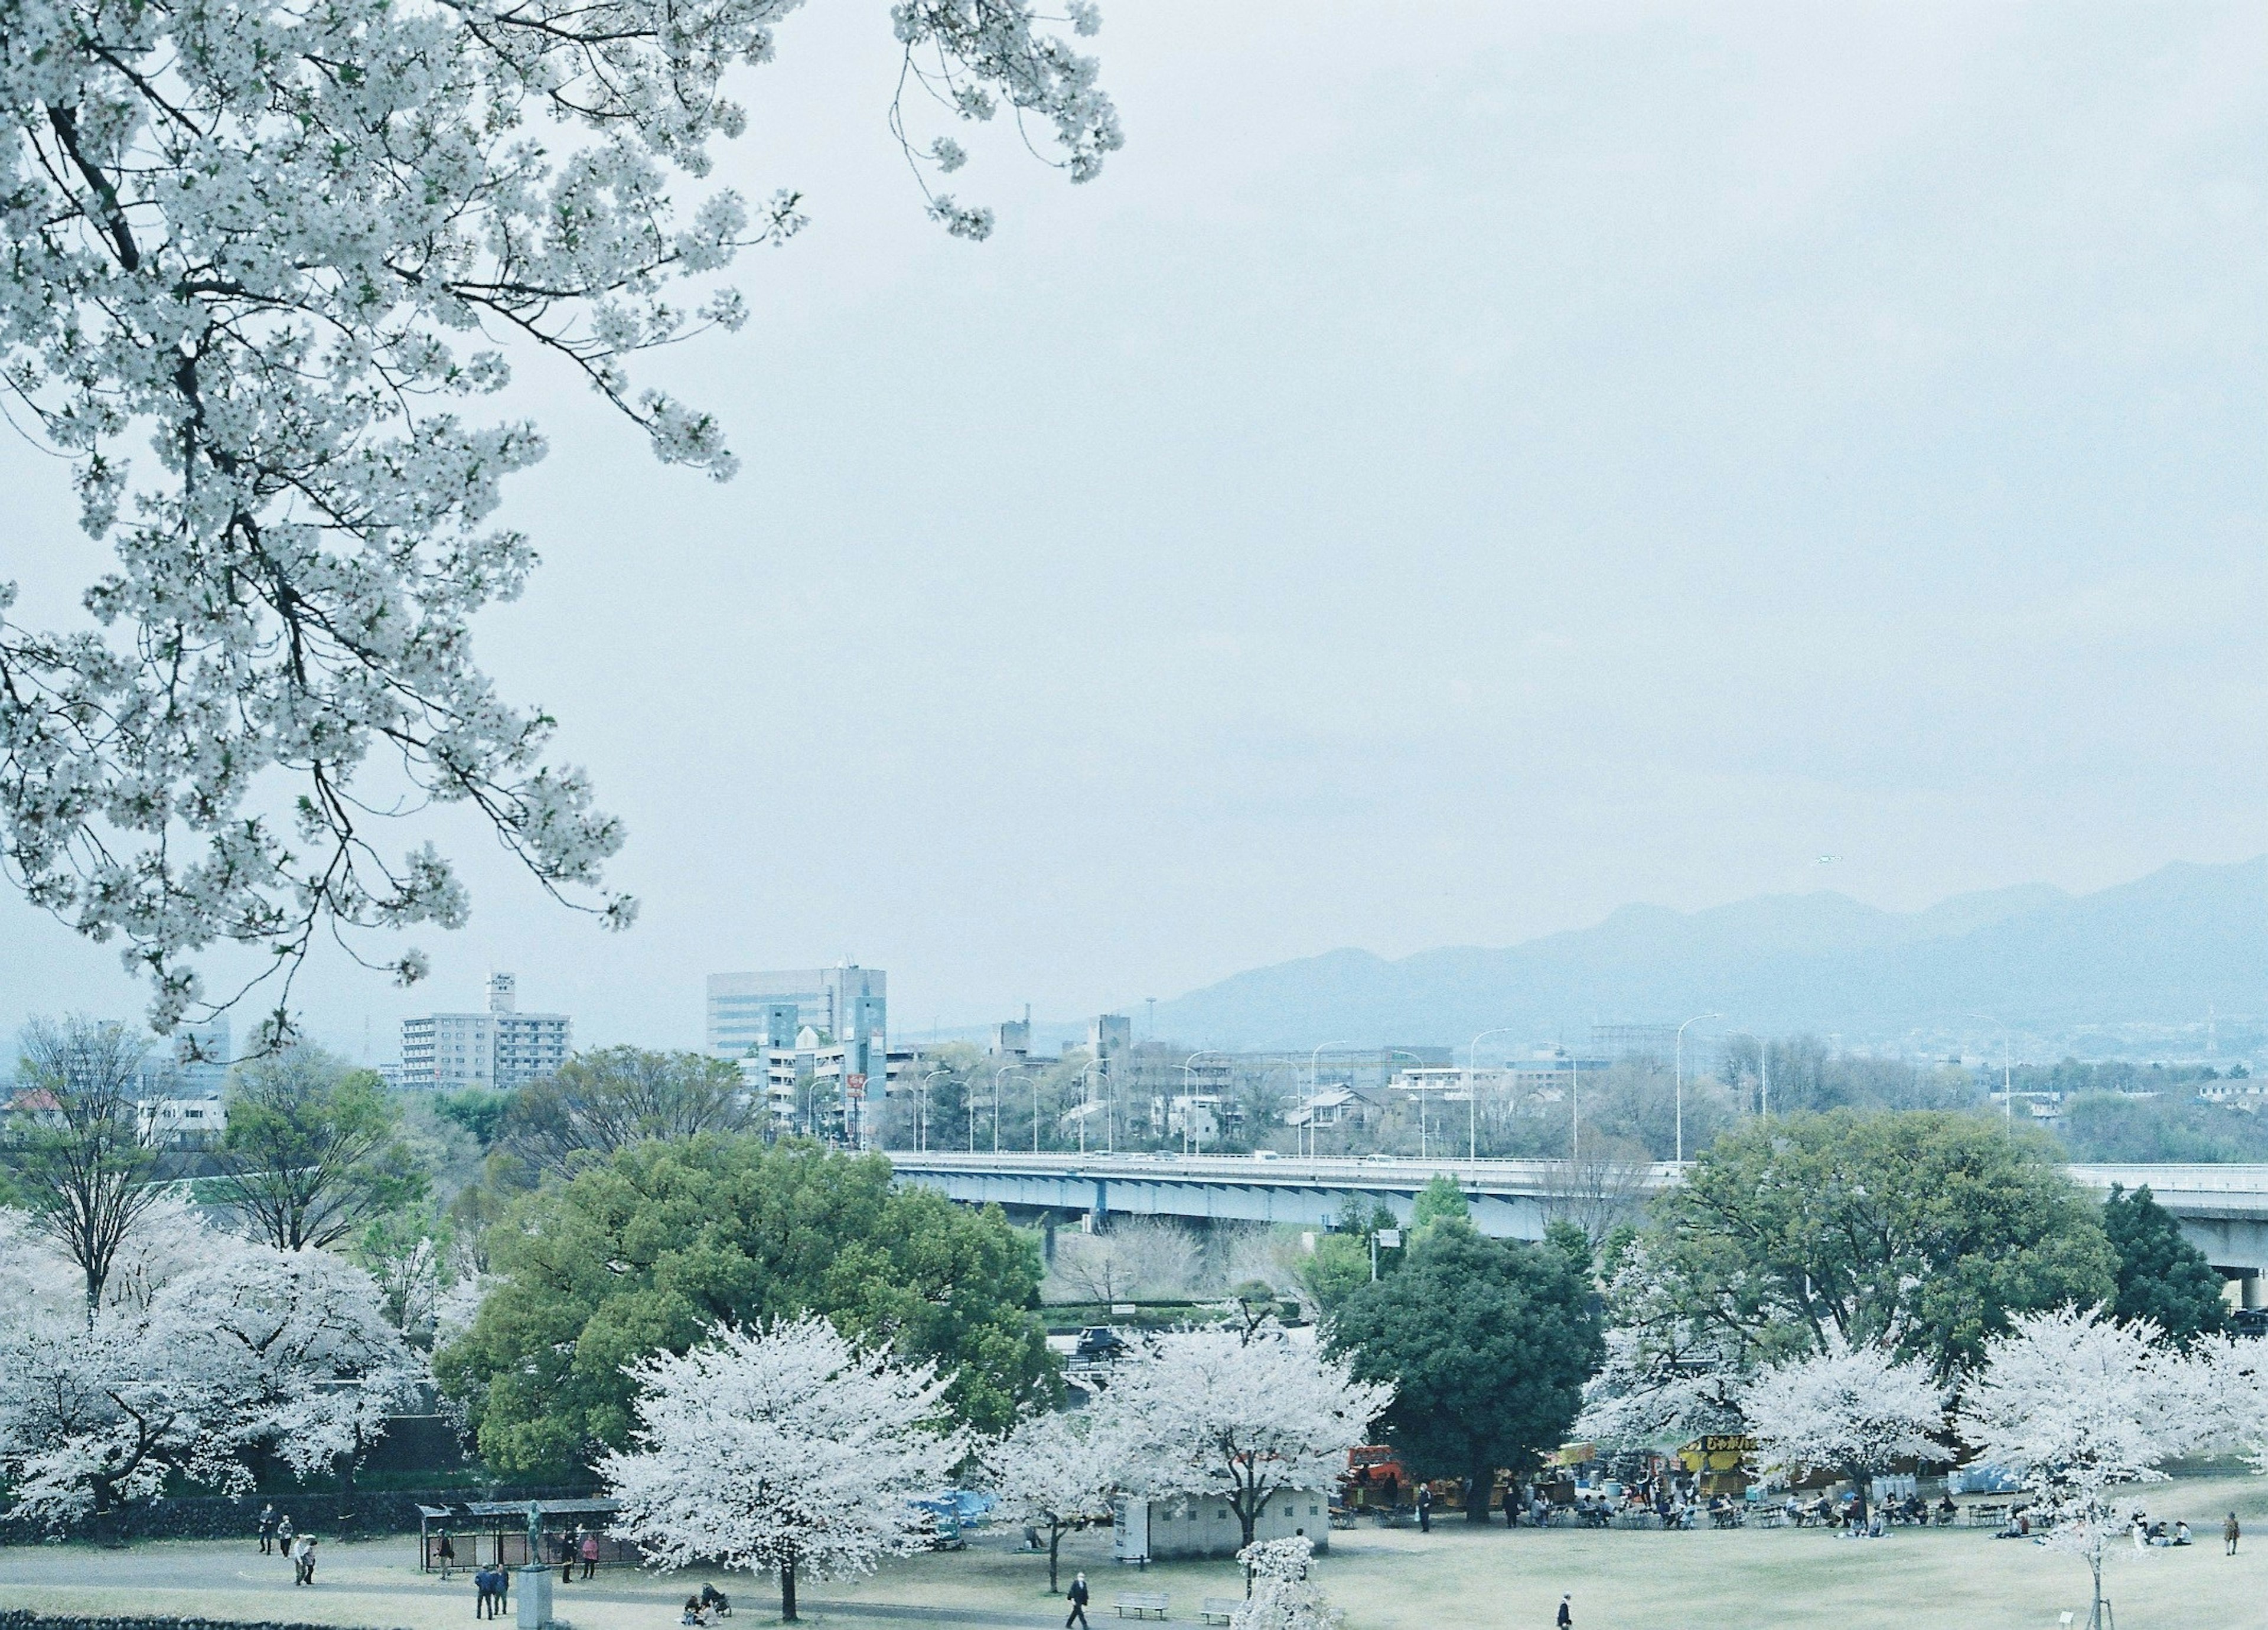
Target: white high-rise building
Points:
(824, 1023)
(502, 1047)
(750, 1012)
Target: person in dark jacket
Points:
(1078, 1597)
(1424, 1508)
(267, 1530)
(1566, 1614)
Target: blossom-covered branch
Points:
(282, 244)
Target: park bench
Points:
(1219, 1609)
(1771, 1517)
(1982, 1515)
(1636, 1519)
(1140, 1605)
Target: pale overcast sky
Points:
(1460, 469)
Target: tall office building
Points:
(750, 1012)
(826, 1024)
(1110, 1034)
(502, 1047)
(193, 1062)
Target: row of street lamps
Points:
(1472, 1091)
(1472, 1095)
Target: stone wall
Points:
(217, 1516)
(11, 1619)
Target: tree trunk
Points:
(1055, 1542)
(1246, 1513)
(787, 1591)
(1478, 1487)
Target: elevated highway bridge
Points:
(2223, 1209)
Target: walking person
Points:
(1424, 1508)
(267, 1529)
(1077, 1594)
(445, 1554)
(1567, 1620)
(283, 1536)
(567, 1557)
(483, 1594)
(2229, 1530)
(589, 1553)
(305, 1571)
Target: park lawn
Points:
(1385, 1579)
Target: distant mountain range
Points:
(2165, 951)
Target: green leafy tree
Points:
(598, 1102)
(1335, 1268)
(2162, 1276)
(1488, 1344)
(1925, 1229)
(313, 1151)
(642, 1252)
(479, 1110)
(1439, 1201)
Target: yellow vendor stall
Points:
(1716, 1461)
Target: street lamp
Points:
(2007, 1070)
(997, 1074)
(1398, 1053)
(1312, 1058)
(1473, 1091)
(1087, 1097)
(1696, 1019)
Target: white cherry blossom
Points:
(259, 260)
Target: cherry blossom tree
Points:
(284, 249)
(1669, 1375)
(227, 1355)
(1849, 1409)
(2085, 1406)
(782, 1450)
(1209, 1412)
(1283, 1593)
(1059, 1470)
(297, 1346)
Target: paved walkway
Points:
(375, 1584)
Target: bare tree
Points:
(76, 1145)
(1133, 1257)
(598, 1102)
(1605, 1185)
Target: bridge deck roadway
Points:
(2223, 1209)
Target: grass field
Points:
(1385, 1579)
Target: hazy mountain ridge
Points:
(2163, 950)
